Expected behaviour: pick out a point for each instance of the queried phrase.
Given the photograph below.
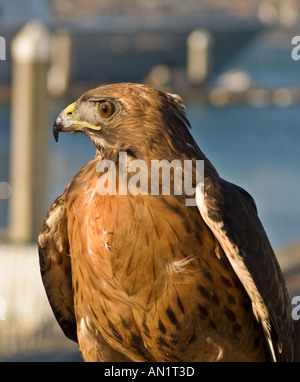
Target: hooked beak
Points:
(65, 123)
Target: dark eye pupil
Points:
(106, 109)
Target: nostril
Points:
(69, 111)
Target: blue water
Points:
(257, 148)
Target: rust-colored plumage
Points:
(146, 277)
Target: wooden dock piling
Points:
(30, 55)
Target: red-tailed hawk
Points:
(143, 276)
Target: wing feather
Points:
(55, 267)
(231, 214)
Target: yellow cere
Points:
(69, 111)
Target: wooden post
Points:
(59, 72)
(198, 56)
(30, 54)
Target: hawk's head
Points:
(130, 117)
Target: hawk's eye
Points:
(106, 109)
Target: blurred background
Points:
(235, 64)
